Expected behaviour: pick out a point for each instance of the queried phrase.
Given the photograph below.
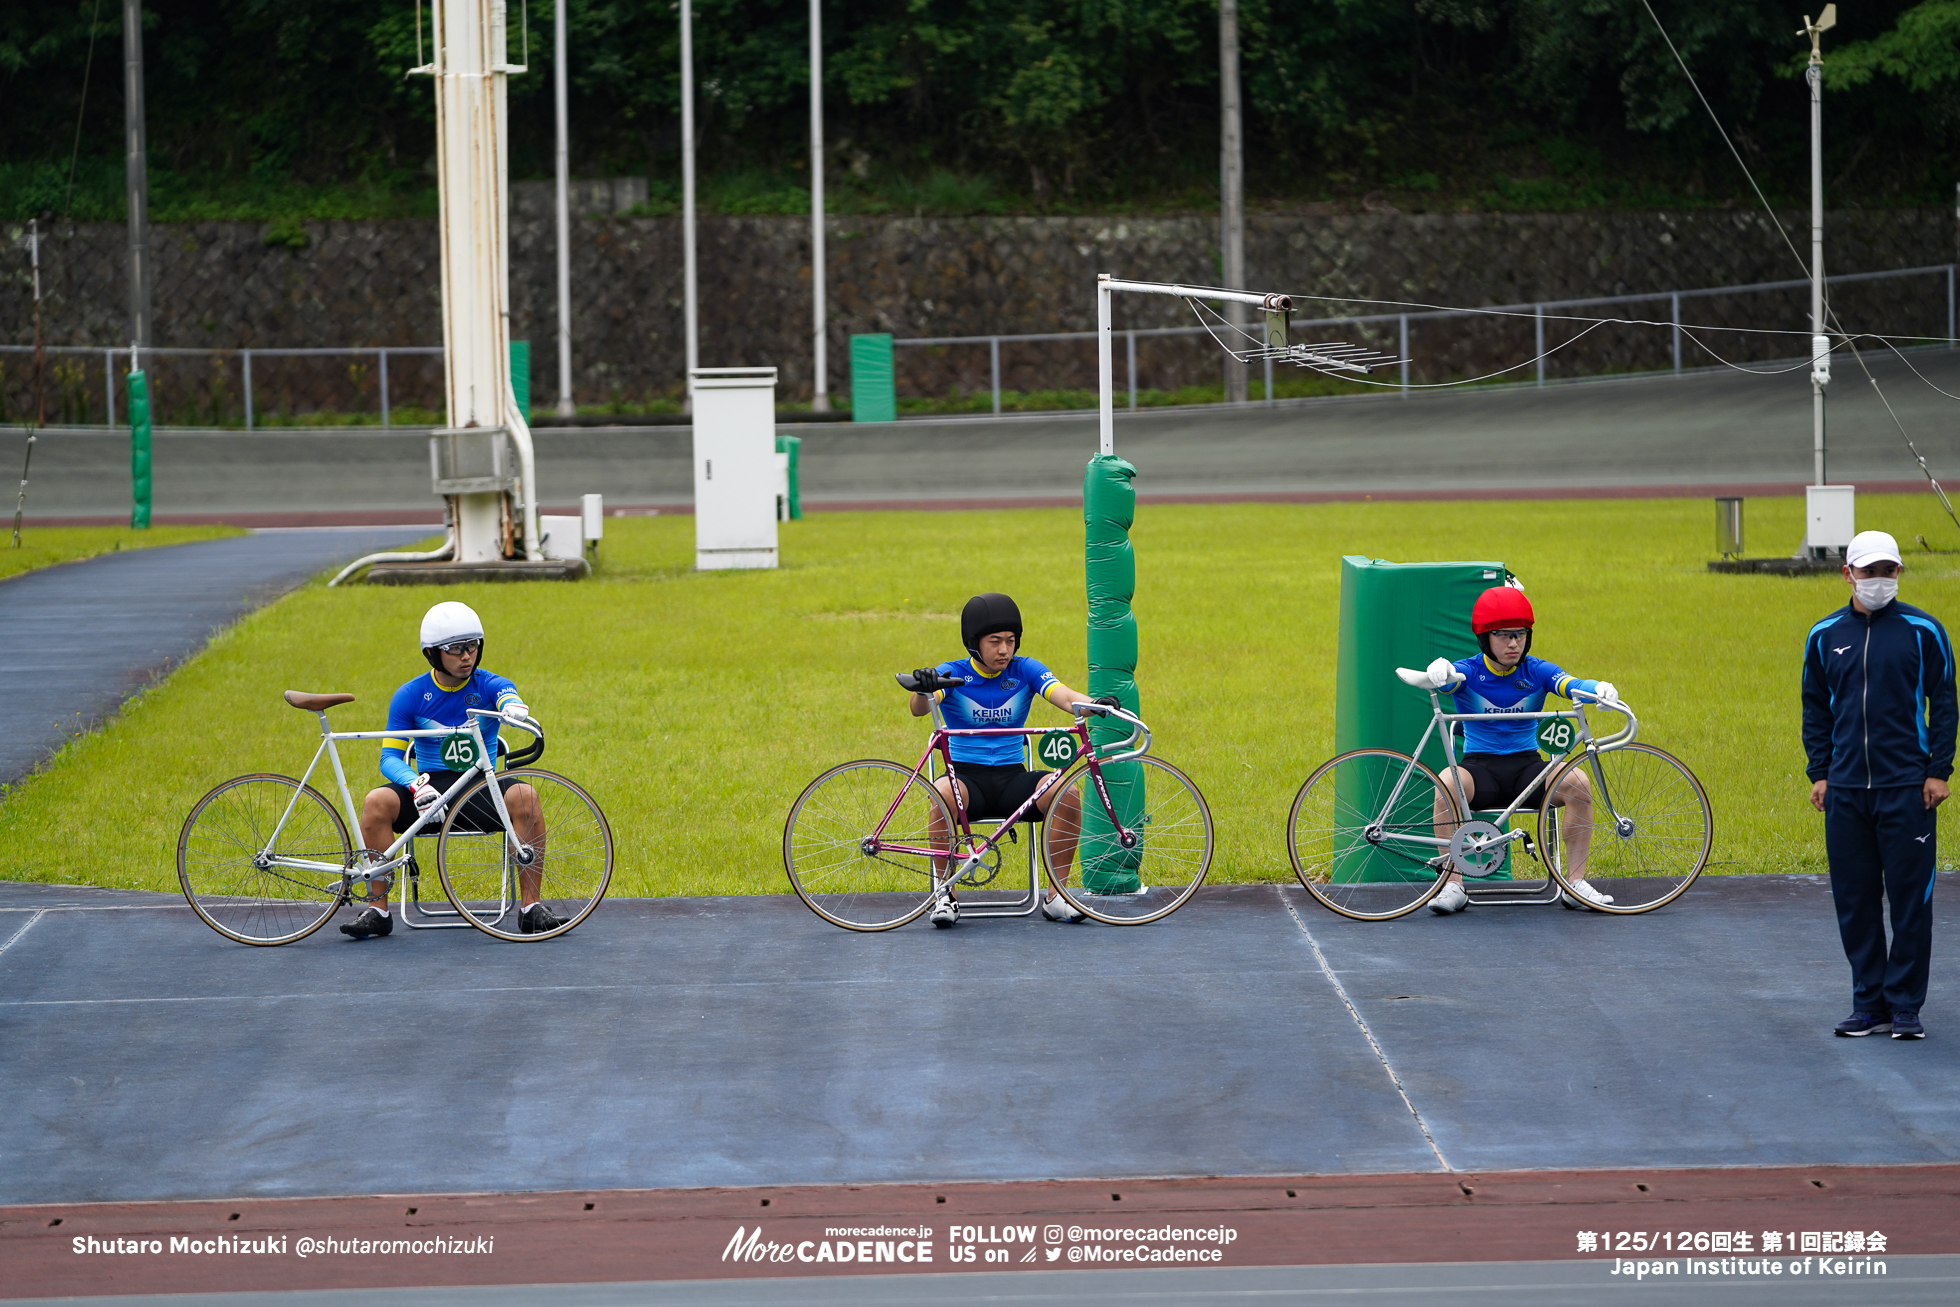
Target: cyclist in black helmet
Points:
(1000, 686)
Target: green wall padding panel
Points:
(139, 450)
(1109, 504)
(874, 384)
(520, 376)
(1397, 615)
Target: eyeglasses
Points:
(460, 647)
(1519, 633)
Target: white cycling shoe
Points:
(1451, 898)
(1057, 908)
(1586, 896)
(945, 911)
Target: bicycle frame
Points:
(381, 866)
(1586, 744)
(978, 848)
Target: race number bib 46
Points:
(1057, 749)
(459, 752)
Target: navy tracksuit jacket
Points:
(1879, 716)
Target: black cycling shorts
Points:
(1501, 777)
(479, 814)
(993, 793)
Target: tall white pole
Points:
(1820, 344)
(138, 175)
(818, 279)
(1231, 178)
(687, 198)
(566, 406)
(1105, 369)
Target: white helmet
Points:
(447, 623)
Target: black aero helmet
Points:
(985, 615)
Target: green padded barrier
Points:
(139, 450)
(1108, 507)
(793, 446)
(1396, 615)
(874, 385)
(520, 376)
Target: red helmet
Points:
(1500, 608)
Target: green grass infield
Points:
(695, 706)
(44, 546)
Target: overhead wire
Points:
(74, 155)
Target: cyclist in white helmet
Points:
(452, 641)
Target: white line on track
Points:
(1368, 1034)
(15, 937)
(100, 907)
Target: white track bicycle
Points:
(265, 859)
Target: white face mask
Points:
(1874, 592)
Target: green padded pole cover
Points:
(793, 446)
(1396, 615)
(520, 376)
(139, 450)
(874, 383)
(1108, 507)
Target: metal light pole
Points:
(687, 197)
(139, 207)
(1820, 343)
(1231, 183)
(566, 406)
(820, 402)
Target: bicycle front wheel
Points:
(1368, 831)
(263, 859)
(852, 866)
(564, 859)
(1649, 833)
(1144, 868)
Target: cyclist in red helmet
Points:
(1501, 758)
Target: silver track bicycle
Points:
(1374, 833)
(265, 858)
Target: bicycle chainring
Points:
(1478, 848)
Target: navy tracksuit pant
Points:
(1881, 844)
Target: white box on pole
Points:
(1830, 517)
(592, 509)
(734, 467)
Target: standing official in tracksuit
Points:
(1878, 728)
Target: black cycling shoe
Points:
(370, 922)
(538, 920)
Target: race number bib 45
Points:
(459, 752)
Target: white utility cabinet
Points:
(1830, 517)
(734, 467)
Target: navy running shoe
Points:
(1866, 1023)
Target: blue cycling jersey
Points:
(1488, 688)
(1000, 700)
(422, 705)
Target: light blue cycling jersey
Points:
(1488, 688)
(422, 705)
(987, 700)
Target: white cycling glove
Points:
(427, 796)
(1605, 693)
(515, 713)
(1442, 673)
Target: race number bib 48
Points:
(1556, 735)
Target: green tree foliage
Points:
(266, 107)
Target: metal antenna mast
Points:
(1820, 343)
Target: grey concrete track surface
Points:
(1702, 429)
(709, 1042)
(1909, 1281)
(78, 639)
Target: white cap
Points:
(1868, 547)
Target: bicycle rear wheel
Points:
(843, 866)
(238, 877)
(1143, 872)
(565, 864)
(1357, 853)
(1650, 831)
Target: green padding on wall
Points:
(139, 450)
(874, 386)
(1108, 507)
(520, 376)
(1396, 615)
